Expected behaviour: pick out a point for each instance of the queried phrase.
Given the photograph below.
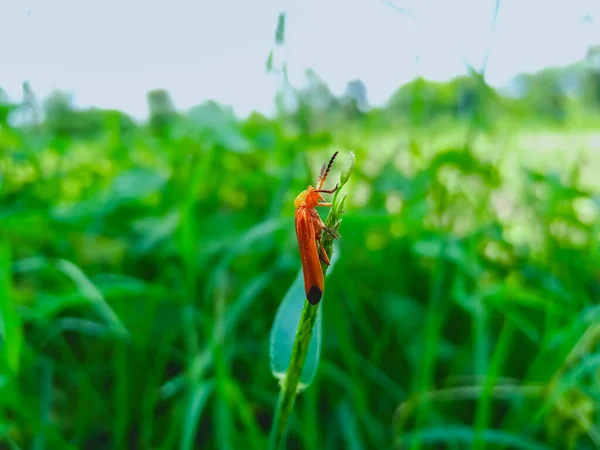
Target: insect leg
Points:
(323, 255)
(331, 233)
(329, 191)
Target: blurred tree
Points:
(467, 95)
(57, 106)
(311, 109)
(591, 94)
(162, 112)
(31, 105)
(544, 94)
(317, 92)
(424, 101)
(63, 120)
(355, 100)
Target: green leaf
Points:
(11, 333)
(136, 184)
(465, 436)
(198, 397)
(85, 289)
(269, 63)
(280, 32)
(285, 326)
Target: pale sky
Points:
(109, 53)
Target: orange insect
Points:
(308, 231)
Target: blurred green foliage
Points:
(141, 266)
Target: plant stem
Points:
(287, 395)
(289, 391)
(289, 386)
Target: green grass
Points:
(140, 275)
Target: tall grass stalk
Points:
(290, 385)
(289, 391)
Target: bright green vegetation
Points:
(141, 266)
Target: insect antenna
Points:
(323, 167)
(325, 171)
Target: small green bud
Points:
(347, 169)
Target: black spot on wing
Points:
(314, 295)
